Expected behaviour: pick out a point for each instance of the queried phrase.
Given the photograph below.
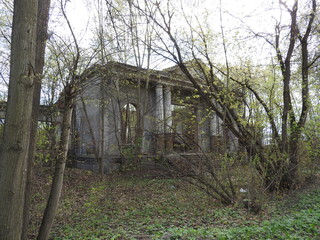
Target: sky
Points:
(252, 12)
(258, 15)
(244, 9)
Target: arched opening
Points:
(129, 124)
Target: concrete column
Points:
(168, 119)
(168, 109)
(159, 108)
(197, 129)
(233, 141)
(214, 125)
(215, 134)
(204, 128)
(159, 114)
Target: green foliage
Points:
(144, 208)
(301, 223)
(45, 143)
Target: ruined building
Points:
(128, 114)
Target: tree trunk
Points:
(41, 32)
(289, 177)
(16, 136)
(57, 182)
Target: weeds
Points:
(144, 208)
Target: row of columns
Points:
(164, 133)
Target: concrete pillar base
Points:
(160, 143)
(169, 142)
(216, 144)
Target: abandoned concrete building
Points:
(128, 114)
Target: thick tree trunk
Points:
(57, 182)
(41, 32)
(289, 177)
(16, 136)
(280, 168)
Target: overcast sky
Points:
(244, 9)
(260, 15)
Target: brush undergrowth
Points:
(136, 207)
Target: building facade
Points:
(127, 114)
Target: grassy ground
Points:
(137, 206)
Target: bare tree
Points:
(71, 88)
(119, 23)
(280, 168)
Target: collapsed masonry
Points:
(130, 114)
